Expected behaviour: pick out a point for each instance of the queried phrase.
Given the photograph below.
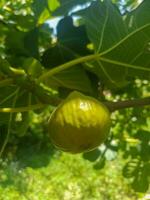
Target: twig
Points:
(113, 106)
(22, 109)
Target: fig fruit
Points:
(79, 124)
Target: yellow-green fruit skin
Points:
(79, 124)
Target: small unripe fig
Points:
(79, 124)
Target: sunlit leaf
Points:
(104, 24)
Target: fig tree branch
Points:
(113, 106)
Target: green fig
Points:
(79, 124)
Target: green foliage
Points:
(72, 42)
(103, 50)
(109, 30)
(64, 177)
(118, 47)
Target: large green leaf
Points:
(130, 54)
(71, 43)
(104, 24)
(72, 37)
(121, 56)
(108, 74)
(75, 78)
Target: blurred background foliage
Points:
(31, 168)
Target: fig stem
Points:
(113, 106)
